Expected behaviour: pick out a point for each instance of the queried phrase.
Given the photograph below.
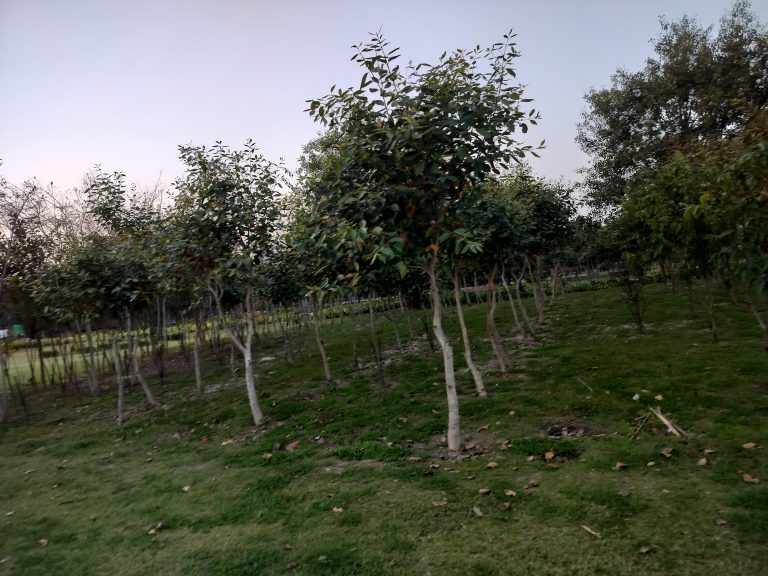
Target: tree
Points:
(227, 213)
(415, 141)
(698, 88)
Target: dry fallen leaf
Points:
(512, 412)
(702, 462)
(666, 452)
(510, 492)
(504, 445)
(549, 455)
(506, 505)
(292, 565)
(186, 488)
(477, 512)
(484, 491)
(292, 446)
(721, 522)
(749, 479)
(227, 442)
(492, 465)
(439, 502)
(709, 450)
(338, 509)
(484, 427)
(434, 465)
(43, 542)
(644, 549)
(749, 445)
(621, 465)
(651, 463)
(530, 458)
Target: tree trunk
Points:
(511, 298)
(133, 365)
(375, 340)
(316, 311)
(453, 434)
(120, 382)
(477, 376)
(93, 371)
(196, 352)
(490, 323)
(761, 321)
(244, 346)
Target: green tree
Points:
(415, 141)
(227, 212)
(699, 87)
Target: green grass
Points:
(367, 489)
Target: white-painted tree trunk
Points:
(477, 376)
(453, 433)
(490, 323)
(244, 345)
(120, 382)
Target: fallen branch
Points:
(671, 426)
(588, 529)
(640, 426)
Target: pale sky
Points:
(122, 83)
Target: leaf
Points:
(484, 491)
(749, 445)
(439, 502)
(510, 492)
(338, 509)
(186, 488)
(43, 542)
(644, 549)
(749, 479)
(658, 397)
(483, 427)
(709, 450)
(477, 512)
(620, 466)
(651, 463)
(492, 465)
(549, 455)
(530, 458)
(702, 462)
(292, 446)
(666, 452)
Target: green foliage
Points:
(698, 88)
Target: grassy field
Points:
(563, 473)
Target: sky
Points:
(123, 83)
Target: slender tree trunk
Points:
(93, 370)
(477, 376)
(490, 323)
(375, 340)
(522, 306)
(244, 346)
(761, 320)
(133, 365)
(511, 299)
(120, 382)
(453, 434)
(198, 343)
(316, 311)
